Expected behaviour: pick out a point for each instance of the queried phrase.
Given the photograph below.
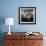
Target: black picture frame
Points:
(27, 15)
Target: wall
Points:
(9, 8)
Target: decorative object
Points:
(27, 15)
(30, 33)
(9, 21)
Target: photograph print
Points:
(27, 15)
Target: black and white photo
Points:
(27, 15)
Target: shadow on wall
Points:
(2, 21)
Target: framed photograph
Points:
(27, 15)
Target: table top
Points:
(22, 35)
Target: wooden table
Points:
(20, 39)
